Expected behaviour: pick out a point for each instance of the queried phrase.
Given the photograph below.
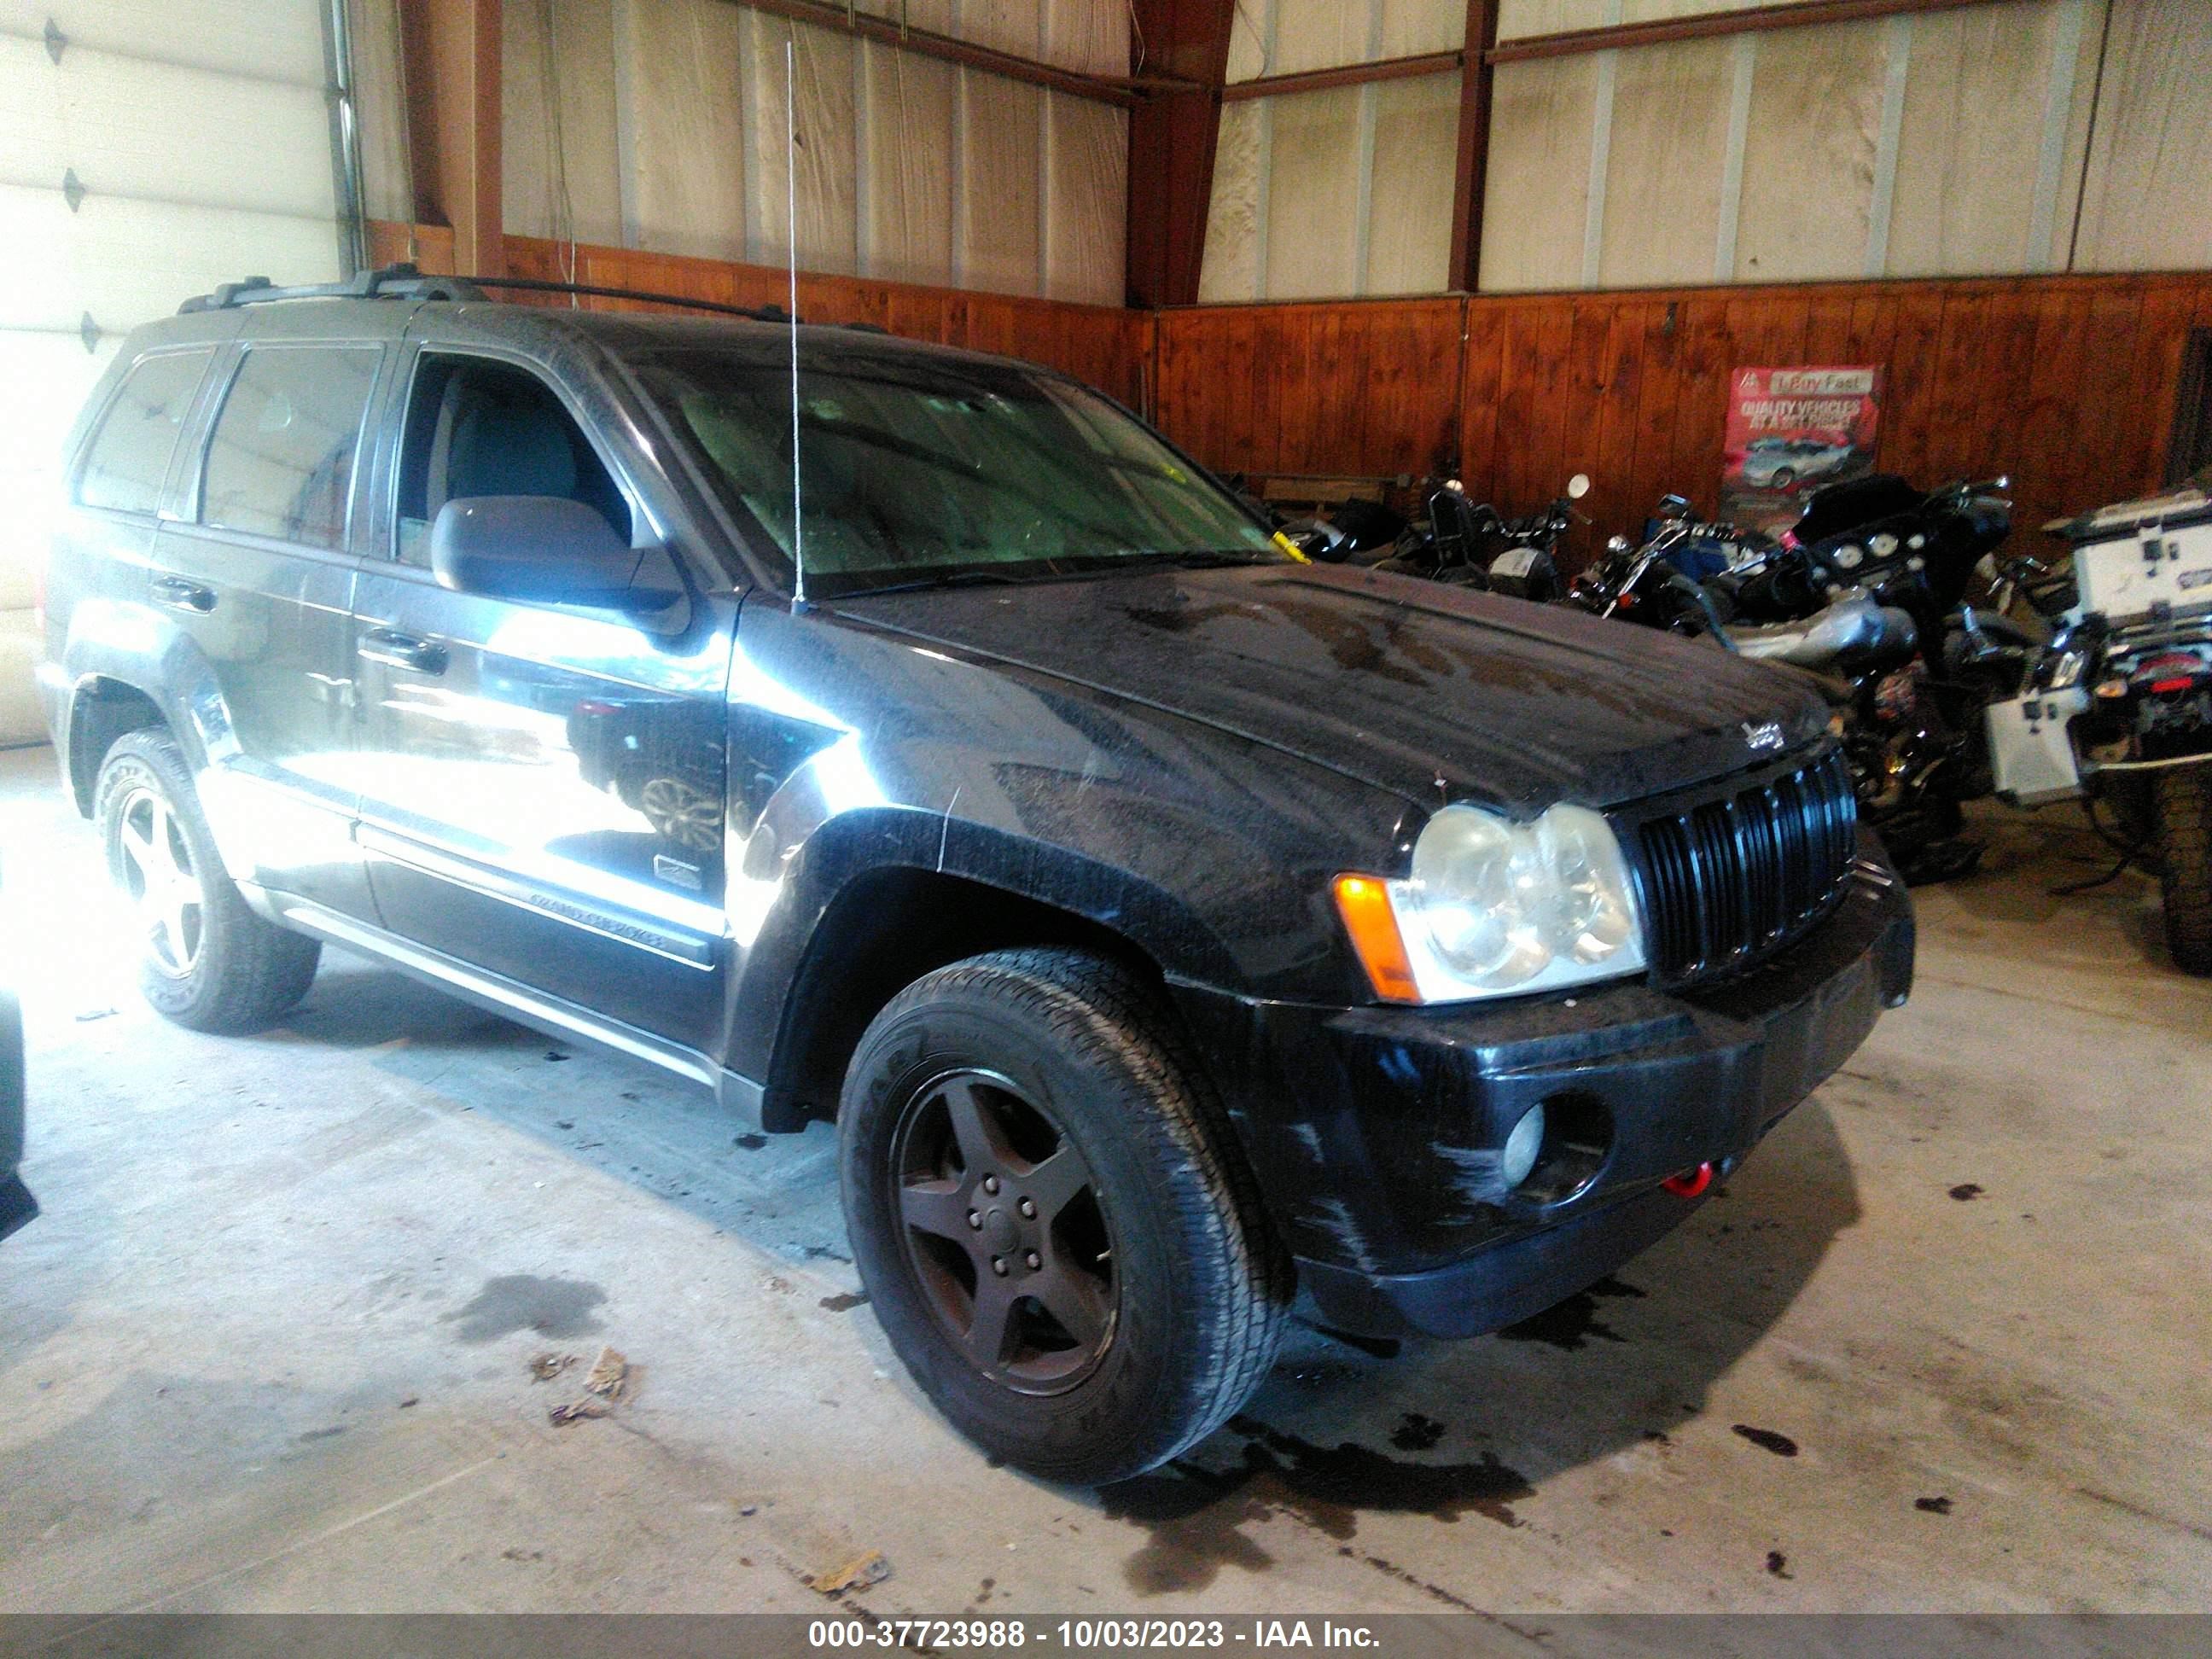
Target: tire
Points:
(207, 962)
(1782, 478)
(1028, 1056)
(2181, 815)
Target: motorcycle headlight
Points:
(1492, 907)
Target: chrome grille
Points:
(1731, 878)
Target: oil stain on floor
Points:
(518, 1301)
(1196, 1514)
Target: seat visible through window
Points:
(479, 428)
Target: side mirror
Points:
(1578, 486)
(543, 549)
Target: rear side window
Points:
(129, 453)
(280, 461)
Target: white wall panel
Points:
(373, 26)
(1809, 160)
(1086, 199)
(1311, 34)
(2147, 206)
(998, 237)
(1416, 160)
(1974, 109)
(910, 114)
(560, 175)
(1231, 269)
(1535, 209)
(1668, 148)
(687, 108)
(1313, 195)
(1412, 27)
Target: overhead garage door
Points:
(148, 151)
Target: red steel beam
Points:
(1470, 180)
(1172, 134)
(1755, 20)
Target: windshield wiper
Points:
(972, 576)
(1213, 558)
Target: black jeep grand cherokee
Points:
(1169, 924)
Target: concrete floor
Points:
(268, 1347)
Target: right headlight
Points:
(1493, 908)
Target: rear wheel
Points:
(1052, 1227)
(2181, 814)
(1783, 477)
(206, 960)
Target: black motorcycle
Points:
(1470, 544)
(1866, 593)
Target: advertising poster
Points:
(1791, 430)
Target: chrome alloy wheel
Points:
(156, 874)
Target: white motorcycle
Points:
(2117, 708)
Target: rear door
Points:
(254, 568)
(542, 786)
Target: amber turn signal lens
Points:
(1365, 904)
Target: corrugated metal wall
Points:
(149, 149)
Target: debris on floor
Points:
(1932, 1505)
(1780, 1445)
(544, 1367)
(608, 1376)
(576, 1411)
(856, 1574)
(91, 1014)
(1965, 1191)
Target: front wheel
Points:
(2181, 816)
(206, 960)
(1050, 1219)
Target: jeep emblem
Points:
(1766, 734)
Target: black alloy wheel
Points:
(1005, 1232)
(1051, 1216)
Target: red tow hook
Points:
(1691, 1182)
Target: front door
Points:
(541, 786)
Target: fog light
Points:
(1522, 1146)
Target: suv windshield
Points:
(920, 471)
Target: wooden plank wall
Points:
(1104, 345)
(2068, 383)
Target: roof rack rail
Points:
(768, 313)
(406, 282)
(400, 281)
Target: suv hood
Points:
(1400, 682)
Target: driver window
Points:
(477, 428)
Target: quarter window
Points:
(129, 454)
(280, 461)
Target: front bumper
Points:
(1376, 1132)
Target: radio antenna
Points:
(791, 242)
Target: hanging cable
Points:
(560, 205)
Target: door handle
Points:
(181, 595)
(396, 650)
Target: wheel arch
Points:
(881, 930)
(102, 710)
